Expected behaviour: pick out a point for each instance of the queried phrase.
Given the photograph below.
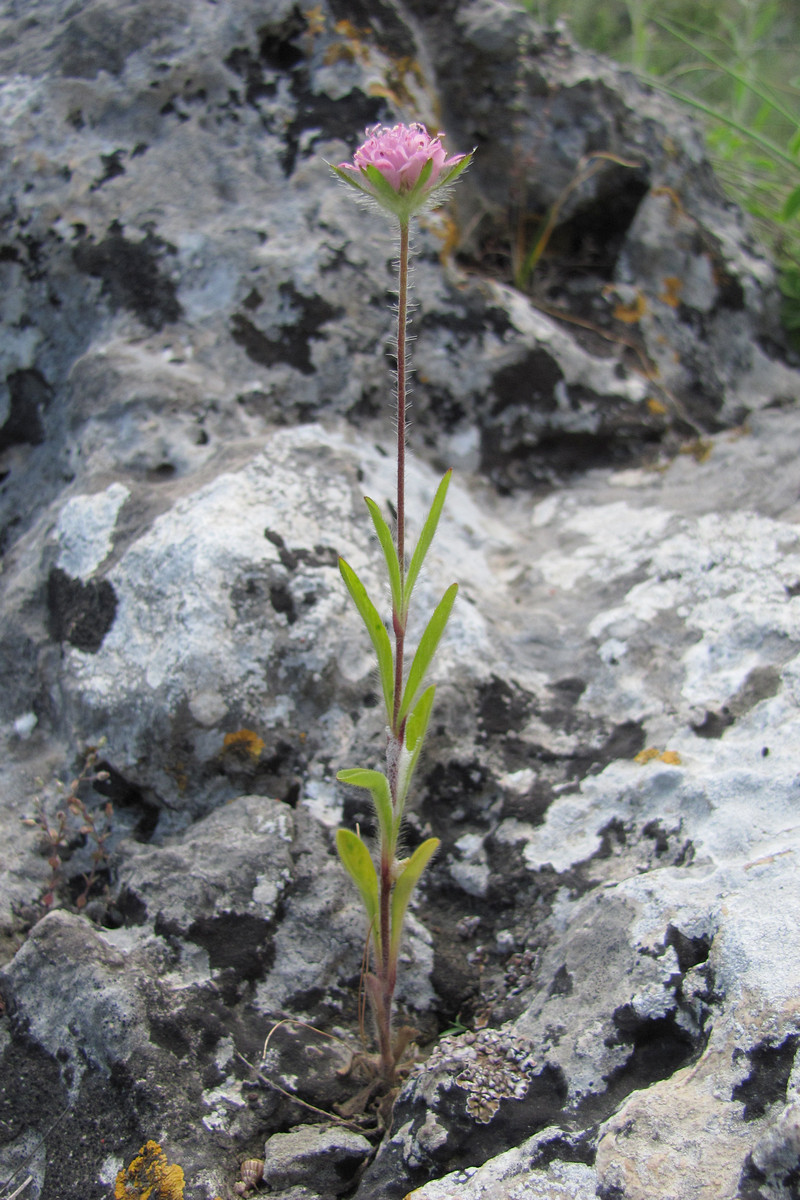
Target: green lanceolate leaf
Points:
(376, 630)
(425, 539)
(792, 206)
(389, 552)
(404, 886)
(380, 184)
(454, 172)
(417, 724)
(348, 178)
(376, 783)
(357, 861)
(416, 728)
(427, 648)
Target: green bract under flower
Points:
(402, 168)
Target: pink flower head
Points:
(401, 168)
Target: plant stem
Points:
(386, 969)
(385, 984)
(402, 318)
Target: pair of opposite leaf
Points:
(408, 726)
(401, 588)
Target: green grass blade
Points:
(376, 630)
(407, 881)
(389, 553)
(425, 538)
(751, 85)
(376, 783)
(792, 206)
(427, 648)
(357, 861)
(758, 139)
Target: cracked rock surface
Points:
(602, 965)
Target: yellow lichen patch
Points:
(671, 294)
(646, 756)
(671, 757)
(656, 407)
(150, 1177)
(699, 449)
(633, 312)
(243, 742)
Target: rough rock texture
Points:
(193, 400)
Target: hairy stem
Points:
(386, 968)
(402, 319)
(385, 986)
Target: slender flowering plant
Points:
(403, 170)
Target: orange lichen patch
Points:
(178, 772)
(671, 294)
(244, 742)
(657, 407)
(446, 230)
(633, 312)
(395, 87)
(315, 21)
(671, 757)
(673, 196)
(351, 48)
(150, 1177)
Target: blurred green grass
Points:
(736, 63)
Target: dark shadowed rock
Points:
(194, 397)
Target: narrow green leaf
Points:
(380, 184)
(376, 630)
(427, 648)
(406, 882)
(455, 171)
(417, 724)
(389, 552)
(790, 317)
(425, 539)
(416, 728)
(789, 283)
(421, 184)
(346, 177)
(376, 783)
(749, 133)
(357, 861)
(747, 84)
(792, 206)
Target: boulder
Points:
(601, 967)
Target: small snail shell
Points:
(252, 1172)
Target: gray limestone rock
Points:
(194, 398)
(326, 1157)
